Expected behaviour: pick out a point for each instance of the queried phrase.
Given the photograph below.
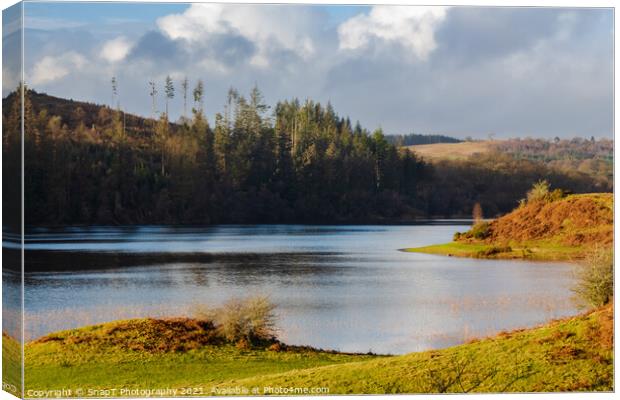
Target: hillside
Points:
(572, 354)
(248, 165)
(451, 151)
(564, 229)
(568, 156)
(74, 112)
(577, 220)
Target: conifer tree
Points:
(185, 86)
(198, 97)
(114, 91)
(169, 90)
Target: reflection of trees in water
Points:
(172, 269)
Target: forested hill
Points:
(295, 162)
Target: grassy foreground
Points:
(156, 353)
(572, 354)
(11, 365)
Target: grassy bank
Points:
(563, 229)
(532, 250)
(573, 354)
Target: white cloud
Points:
(412, 26)
(116, 49)
(51, 68)
(10, 79)
(553, 69)
(267, 27)
(214, 66)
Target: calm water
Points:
(338, 287)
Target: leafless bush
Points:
(595, 278)
(250, 320)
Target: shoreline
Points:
(579, 345)
(531, 251)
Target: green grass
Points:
(532, 250)
(103, 356)
(574, 354)
(11, 364)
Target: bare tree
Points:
(169, 89)
(153, 94)
(477, 213)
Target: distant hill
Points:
(575, 149)
(415, 138)
(589, 156)
(452, 151)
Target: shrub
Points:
(556, 194)
(539, 191)
(479, 231)
(595, 278)
(249, 321)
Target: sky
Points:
(460, 71)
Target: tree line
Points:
(299, 162)
(591, 156)
(412, 139)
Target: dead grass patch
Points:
(570, 219)
(149, 335)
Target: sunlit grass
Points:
(532, 250)
(138, 354)
(575, 354)
(451, 151)
(11, 364)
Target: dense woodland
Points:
(591, 156)
(412, 139)
(297, 162)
